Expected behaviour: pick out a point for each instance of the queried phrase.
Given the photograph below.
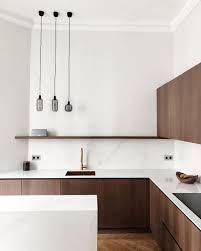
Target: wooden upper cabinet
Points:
(178, 107)
(41, 187)
(195, 92)
(163, 120)
(10, 187)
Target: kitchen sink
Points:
(81, 173)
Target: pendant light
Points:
(39, 102)
(68, 106)
(54, 100)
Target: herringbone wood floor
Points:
(127, 242)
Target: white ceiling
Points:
(100, 12)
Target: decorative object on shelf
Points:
(39, 132)
(185, 178)
(68, 106)
(55, 100)
(26, 165)
(39, 102)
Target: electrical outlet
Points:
(168, 157)
(36, 157)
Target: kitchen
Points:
(126, 79)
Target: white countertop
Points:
(165, 179)
(100, 173)
(48, 203)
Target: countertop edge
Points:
(165, 180)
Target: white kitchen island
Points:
(48, 223)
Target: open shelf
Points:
(87, 137)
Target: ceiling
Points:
(100, 12)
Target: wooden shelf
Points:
(87, 137)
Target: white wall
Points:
(187, 40)
(187, 53)
(114, 81)
(14, 97)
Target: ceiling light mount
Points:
(69, 14)
(56, 13)
(41, 13)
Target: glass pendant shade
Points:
(39, 104)
(39, 101)
(55, 104)
(68, 107)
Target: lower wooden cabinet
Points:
(123, 203)
(155, 212)
(185, 235)
(10, 187)
(41, 187)
(80, 187)
(168, 243)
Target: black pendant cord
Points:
(55, 56)
(55, 102)
(68, 106)
(41, 38)
(69, 58)
(39, 101)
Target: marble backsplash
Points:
(102, 154)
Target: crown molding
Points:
(186, 10)
(126, 27)
(107, 27)
(89, 26)
(16, 19)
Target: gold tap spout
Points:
(81, 160)
(82, 166)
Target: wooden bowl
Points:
(190, 179)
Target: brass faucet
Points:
(82, 165)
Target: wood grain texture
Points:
(178, 107)
(80, 187)
(187, 235)
(127, 242)
(168, 243)
(156, 212)
(41, 187)
(163, 120)
(10, 187)
(122, 203)
(195, 116)
(163, 212)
